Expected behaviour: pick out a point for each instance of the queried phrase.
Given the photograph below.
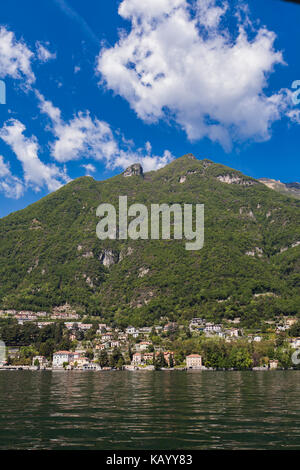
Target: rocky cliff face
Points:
(290, 189)
(108, 258)
(134, 170)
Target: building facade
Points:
(194, 361)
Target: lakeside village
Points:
(61, 340)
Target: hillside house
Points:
(194, 361)
(61, 357)
(43, 362)
(137, 359)
(143, 346)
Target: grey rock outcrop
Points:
(134, 170)
(108, 258)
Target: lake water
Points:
(150, 410)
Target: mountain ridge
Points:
(289, 189)
(50, 255)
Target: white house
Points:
(85, 326)
(61, 357)
(131, 330)
(211, 328)
(106, 337)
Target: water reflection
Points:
(150, 410)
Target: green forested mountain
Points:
(249, 266)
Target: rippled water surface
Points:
(149, 410)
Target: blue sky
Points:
(95, 86)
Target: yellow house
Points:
(194, 361)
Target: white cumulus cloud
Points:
(43, 53)
(148, 161)
(89, 168)
(15, 57)
(180, 61)
(36, 173)
(10, 185)
(87, 137)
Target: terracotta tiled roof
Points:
(62, 352)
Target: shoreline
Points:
(32, 369)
